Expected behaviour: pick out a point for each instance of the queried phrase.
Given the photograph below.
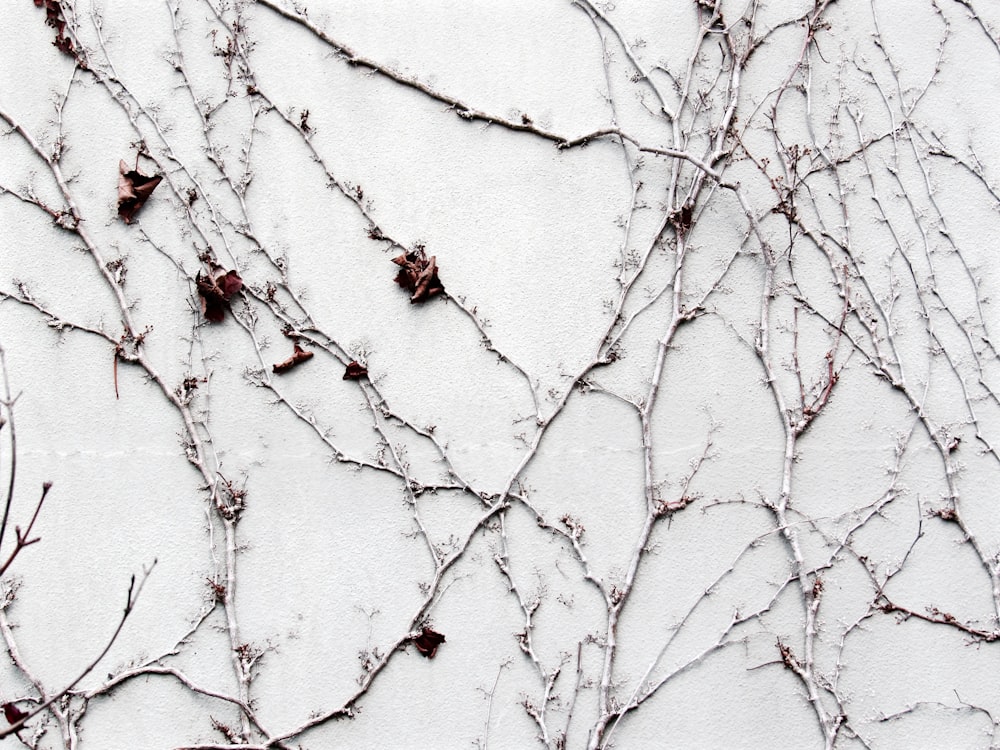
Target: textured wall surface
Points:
(644, 350)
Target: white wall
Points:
(729, 484)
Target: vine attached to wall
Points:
(769, 338)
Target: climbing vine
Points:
(581, 374)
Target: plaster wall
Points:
(717, 478)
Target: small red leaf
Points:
(134, 189)
(300, 356)
(229, 283)
(216, 293)
(12, 713)
(355, 371)
(427, 642)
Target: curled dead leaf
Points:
(216, 293)
(298, 357)
(355, 371)
(12, 713)
(134, 188)
(427, 642)
(418, 274)
(55, 17)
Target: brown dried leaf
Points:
(216, 293)
(229, 283)
(298, 357)
(355, 371)
(418, 274)
(427, 642)
(134, 189)
(12, 713)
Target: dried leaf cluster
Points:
(418, 274)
